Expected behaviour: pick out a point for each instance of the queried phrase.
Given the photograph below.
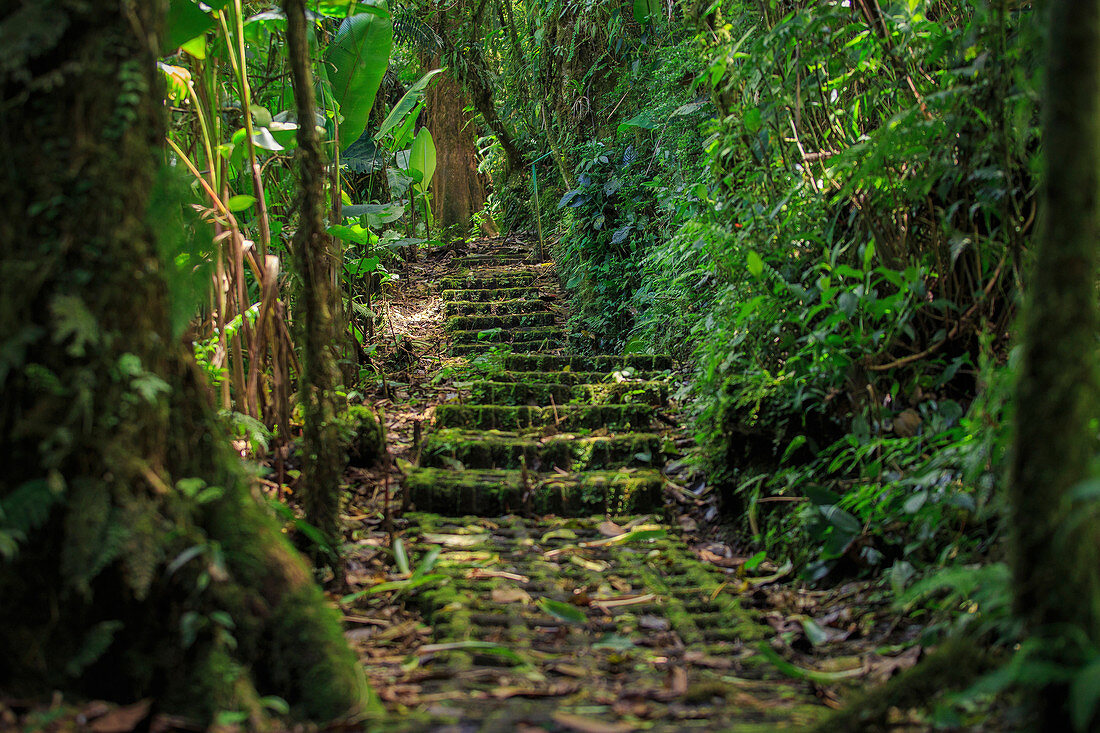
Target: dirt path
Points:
(557, 582)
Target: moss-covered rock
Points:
(495, 493)
(564, 417)
(495, 449)
(364, 436)
(552, 363)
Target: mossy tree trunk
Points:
(1057, 542)
(323, 455)
(136, 559)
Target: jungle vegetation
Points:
(866, 230)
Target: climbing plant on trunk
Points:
(135, 559)
(323, 456)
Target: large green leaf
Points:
(410, 101)
(422, 158)
(357, 59)
(185, 21)
(646, 10)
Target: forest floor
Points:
(567, 567)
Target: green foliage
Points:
(829, 240)
(357, 59)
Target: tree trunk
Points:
(323, 457)
(1057, 539)
(136, 560)
(458, 190)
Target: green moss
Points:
(517, 320)
(509, 450)
(496, 493)
(550, 363)
(496, 307)
(493, 260)
(515, 348)
(564, 417)
(488, 282)
(537, 334)
(542, 393)
(565, 377)
(480, 295)
(364, 437)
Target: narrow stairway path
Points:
(567, 600)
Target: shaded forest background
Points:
(825, 210)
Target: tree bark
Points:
(1057, 539)
(458, 190)
(323, 456)
(135, 559)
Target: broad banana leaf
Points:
(357, 59)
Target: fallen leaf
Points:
(564, 688)
(510, 595)
(720, 561)
(596, 566)
(883, 668)
(122, 720)
(562, 611)
(610, 529)
(653, 623)
(481, 574)
(678, 682)
(456, 540)
(605, 603)
(571, 670)
(584, 724)
(700, 659)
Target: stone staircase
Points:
(515, 490)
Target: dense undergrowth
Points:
(823, 209)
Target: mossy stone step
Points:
(525, 335)
(494, 449)
(542, 393)
(497, 307)
(495, 259)
(495, 493)
(515, 320)
(532, 347)
(568, 377)
(490, 295)
(494, 281)
(552, 363)
(566, 418)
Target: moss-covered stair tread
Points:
(505, 307)
(507, 321)
(463, 449)
(561, 418)
(487, 295)
(545, 393)
(496, 492)
(606, 363)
